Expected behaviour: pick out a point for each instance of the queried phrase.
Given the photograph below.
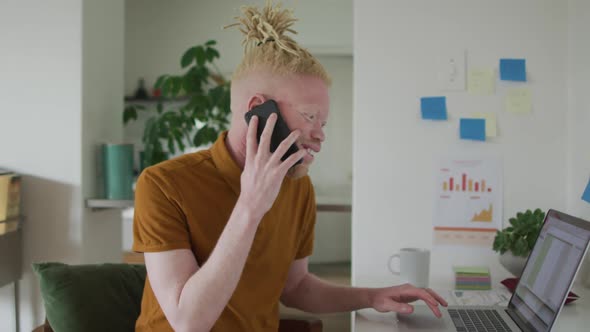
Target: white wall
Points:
(157, 33)
(45, 116)
(103, 84)
(578, 136)
(395, 152)
(331, 172)
(40, 137)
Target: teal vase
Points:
(118, 170)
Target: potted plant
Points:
(515, 242)
(201, 116)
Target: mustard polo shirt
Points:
(185, 203)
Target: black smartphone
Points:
(281, 130)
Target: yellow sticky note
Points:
(519, 100)
(481, 81)
(491, 126)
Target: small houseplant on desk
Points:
(202, 116)
(515, 242)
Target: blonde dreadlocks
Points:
(267, 45)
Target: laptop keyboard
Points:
(468, 320)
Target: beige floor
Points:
(337, 273)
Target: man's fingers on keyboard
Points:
(437, 297)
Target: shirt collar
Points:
(226, 165)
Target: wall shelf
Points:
(334, 208)
(101, 204)
(154, 100)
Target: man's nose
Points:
(318, 132)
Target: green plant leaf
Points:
(130, 113)
(520, 247)
(199, 138)
(178, 136)
(211, 135)
(196, 122)
(193, 81)
(203, 74)
(149, 128)
(188, 84)
(187, 57)
(512, 221)
(166, 86)
(171, 147)
(176, 86)
(522, 233)
(211, 54)
(150, 139)
(217, 94)
(205, 135)
(160, 81)
(200, 55)
(497, 241)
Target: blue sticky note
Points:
(473, 129)
(433, 108)
(586, 195)
(513, 70)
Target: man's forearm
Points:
(208, 291)
(317, 296)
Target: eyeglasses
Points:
(311, 117)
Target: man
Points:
(226, 232)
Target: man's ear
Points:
(256, 100)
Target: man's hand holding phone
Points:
(264, 171)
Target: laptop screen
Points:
(550, 270)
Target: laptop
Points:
(541, 291)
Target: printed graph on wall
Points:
(468, 208)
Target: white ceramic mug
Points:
(414, 266)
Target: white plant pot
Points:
(514, 264)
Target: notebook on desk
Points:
(540, 294)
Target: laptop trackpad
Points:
(423, 319)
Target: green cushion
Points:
(102, 297)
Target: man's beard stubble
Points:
(298, 171)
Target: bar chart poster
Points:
(468, 208)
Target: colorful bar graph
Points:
(465, 184)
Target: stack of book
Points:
(10, 193)
(472, 278)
